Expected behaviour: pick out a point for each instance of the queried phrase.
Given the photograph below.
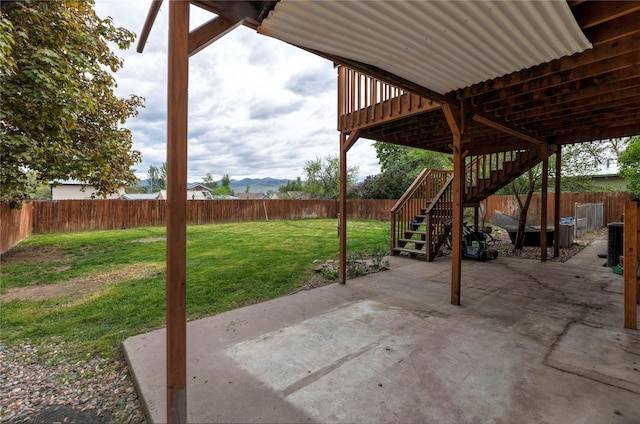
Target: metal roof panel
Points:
(443, 45)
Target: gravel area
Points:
(505, 248)
(36, 386)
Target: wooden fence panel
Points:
(41, 217)
(15, 225)
(613, 207)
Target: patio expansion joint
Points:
(311, 378)
(594, 374)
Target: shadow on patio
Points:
(532, 342)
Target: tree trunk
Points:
(524, 209)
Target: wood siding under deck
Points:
(364, 101)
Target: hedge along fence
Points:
(41, 217)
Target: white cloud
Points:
(258, 107)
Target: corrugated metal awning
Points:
(440, 45)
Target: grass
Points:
(228, 266)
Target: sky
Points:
(258, 107)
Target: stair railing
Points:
(415, 201)
(438, 219)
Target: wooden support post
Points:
(176, 211)
(556, 204)
(543, 204)
(454, 119)
(631, 263)
(345, 144)
(476, 218)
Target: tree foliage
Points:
(400, 165)
(629, 162)
(224, 188)
(296, 185)
(60, 118)
(157, 181)
(323, 177)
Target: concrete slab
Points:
(532, 342)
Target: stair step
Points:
(418, 241)
(410, 251)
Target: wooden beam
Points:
(631, 258)
(236, 11)
(209, 32)
(176, 211)
(543, 204)
(592, 13)
(601, 133)
(594, 94)
(454, 118)
(540, 87)
(148, 24)
(346, 142)
(612, 30)
(556, 204)
(508, 128)
(586, 58)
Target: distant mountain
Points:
(256, 185)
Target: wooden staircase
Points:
(421, 219)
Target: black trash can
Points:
(616, 243)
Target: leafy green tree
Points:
(155, 181)
(323, 177)
(400, 166)
(296, 185)
(59, 116)
(629, 162)
(209, 181)
(163, 175)
(392, 156)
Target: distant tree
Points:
(323, 177)
(400, 166)
(209, 181)
(59, 116)
(392, 156)
(163, 175)
(247, 188)
(629, 162)
(136, 189)
(296, 185)
(155, 182)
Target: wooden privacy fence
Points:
(613, 205)
(40, 217)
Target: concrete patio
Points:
(532, 342)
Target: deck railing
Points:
(365, 101)
(415, 202)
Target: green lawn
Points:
(112, 283)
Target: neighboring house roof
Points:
(251, 196)
(224, 197)
(607, 168)
(139, 196)
(68, 182)
(198, 195)
(198, 187)
(77, 190)
(291, 195)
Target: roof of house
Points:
(139, 196)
